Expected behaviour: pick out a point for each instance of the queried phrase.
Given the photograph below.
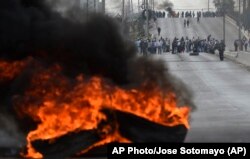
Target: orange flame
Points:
(9, 69)
(62, 106)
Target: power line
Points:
(195, 9)
(132, 6)
(147, 25)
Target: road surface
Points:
(221, 89)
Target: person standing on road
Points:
(249, 42)
(185, 23)
(159, 46)
(188, 23)
(221, 50)
(159, 31)
(138, 42)
(164, 46)
(168, 45)
(236, 45)
(145, 47)
(141, 46)
(198, 19)
(246, 45)
(155, 46)
(174, 43)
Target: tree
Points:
(246, 17)
(229, 5)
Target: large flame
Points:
(62, 106)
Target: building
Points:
(91, 5)
(243, 5)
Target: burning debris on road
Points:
(67, 82)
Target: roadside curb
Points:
(239, 57)
(234, 23)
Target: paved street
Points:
(221, 89)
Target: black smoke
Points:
(95, 47)
(29, 27)
(165, 5)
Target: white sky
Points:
(115, 5)
(192, 4)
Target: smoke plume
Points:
(10, 135)
(96, 47)
(164, 5)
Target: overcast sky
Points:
(192, 4)
(115, 5)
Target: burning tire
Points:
(129, 126)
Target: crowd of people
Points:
(186, 23)
(208, 45)
(153, 46)
(183, 44)
(212, 14)
(241, 44)
(190, 14)
(179, 45)
(159, 14)
(183, 14)
(193, 14)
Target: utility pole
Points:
(103, 6)
(153, 5)
(129, 8)
(208, 5)
(239, 20)
(132, 6)
(138, 6)
(244, 11)
(147, 16)
(78, 3)
(224, 21)
(244, 6)
(94, 5)
(87, 9)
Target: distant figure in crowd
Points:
(159, 31)
(209, 37)
(235, 45)
(188, 23)
(144, 46)
(159, 46)
(138, 45)
(174, 45)
(221, 50)
(198, 19)
(246, 45)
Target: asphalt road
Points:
(221, 89)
